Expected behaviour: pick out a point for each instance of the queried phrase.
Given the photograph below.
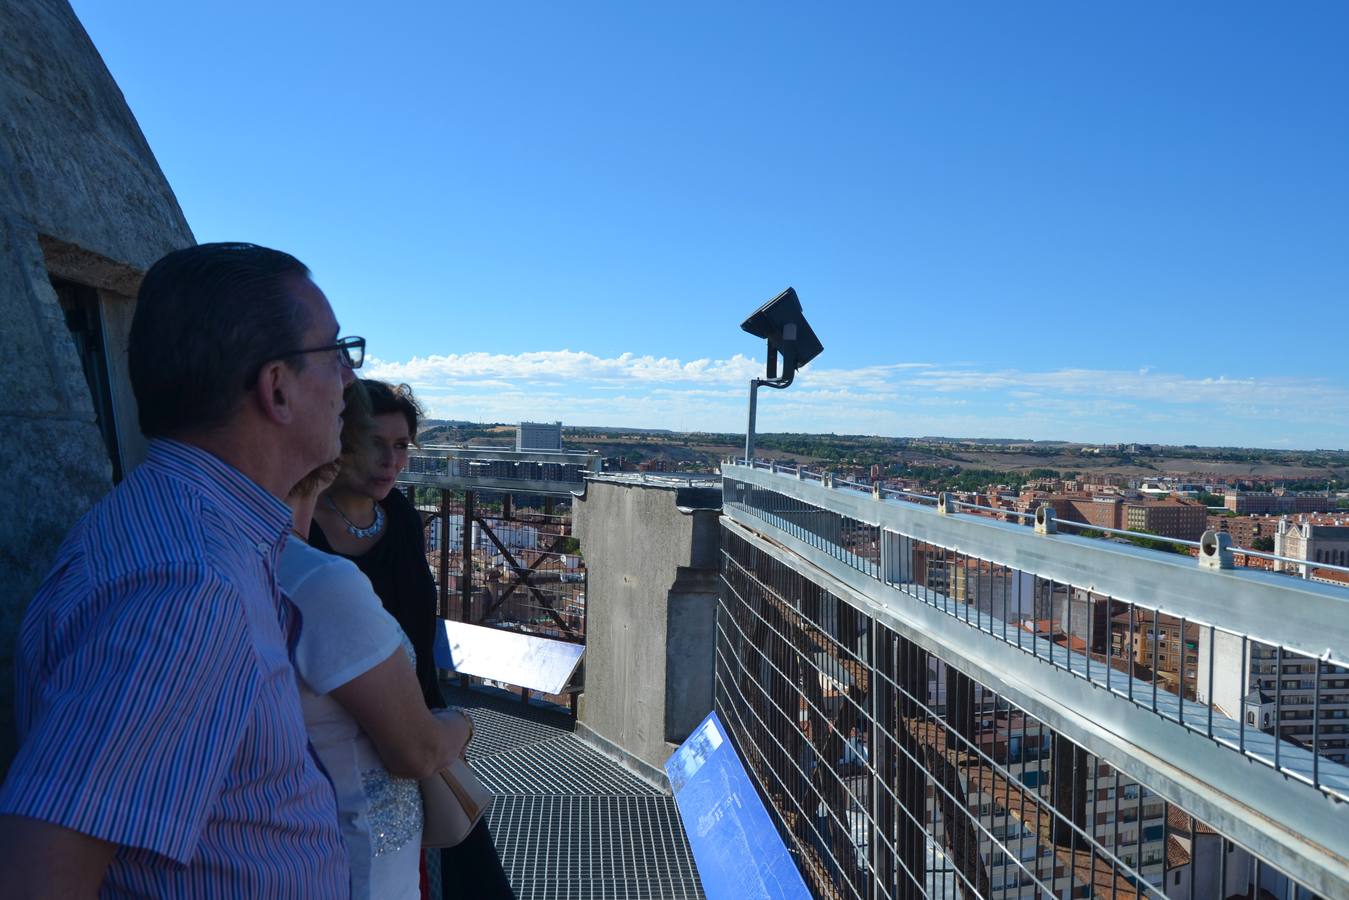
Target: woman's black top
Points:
(397, 569)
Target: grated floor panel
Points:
(558, 765)
(504, 724)
(569, 823)
(594, 848)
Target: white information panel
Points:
(525, 660)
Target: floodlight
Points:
(781, 322)
(783, 325)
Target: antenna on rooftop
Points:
(782, 323)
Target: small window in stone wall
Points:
(80, 304)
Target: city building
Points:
(1096, 510)
(1156, 644)
(1094, 480)
(1125, 814)
(1278, 503)
(538, 436)
(996, 590)
(1201, 863)
(1103, 511)
(1245, 530)
(1314, 541)
(1276, 692)
(1330, 576)
(1171, 518)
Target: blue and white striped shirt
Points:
(156, 701)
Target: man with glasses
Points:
(163, 747)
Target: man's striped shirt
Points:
(156, 701)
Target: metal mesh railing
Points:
(1274, 703)
(498, 535)
(892, 774)
(503, 562)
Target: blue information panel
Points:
(740, 855)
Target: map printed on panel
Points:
(740, 855)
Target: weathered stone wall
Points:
(81, 197)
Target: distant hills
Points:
(703, 451)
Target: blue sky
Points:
(1048, 220)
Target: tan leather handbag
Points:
(453, 799)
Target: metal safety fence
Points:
(941, 707)
(498, 536)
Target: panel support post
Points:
(466, 577)
(443, 567)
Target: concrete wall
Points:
(82, 198)
(651, 598)
(1230, 663)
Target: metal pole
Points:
(753, 411)
(444, 567)
(466, 573)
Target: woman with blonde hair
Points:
(363, 518)
(363, 706)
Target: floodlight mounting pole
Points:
(754, 385)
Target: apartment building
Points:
(1156, 644)
(1245, 529)
(1251, 680)
(1171, 518)
(1095, 510)
(1275, 503)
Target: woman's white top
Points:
(345, 633)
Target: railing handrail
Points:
(1241, 600)
(589, 458)
(1013, 513)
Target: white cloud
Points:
(564, 365)
(1283, 399)
(906, 397)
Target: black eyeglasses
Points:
(351, 350)
(351, 353)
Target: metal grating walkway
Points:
(569, 823)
